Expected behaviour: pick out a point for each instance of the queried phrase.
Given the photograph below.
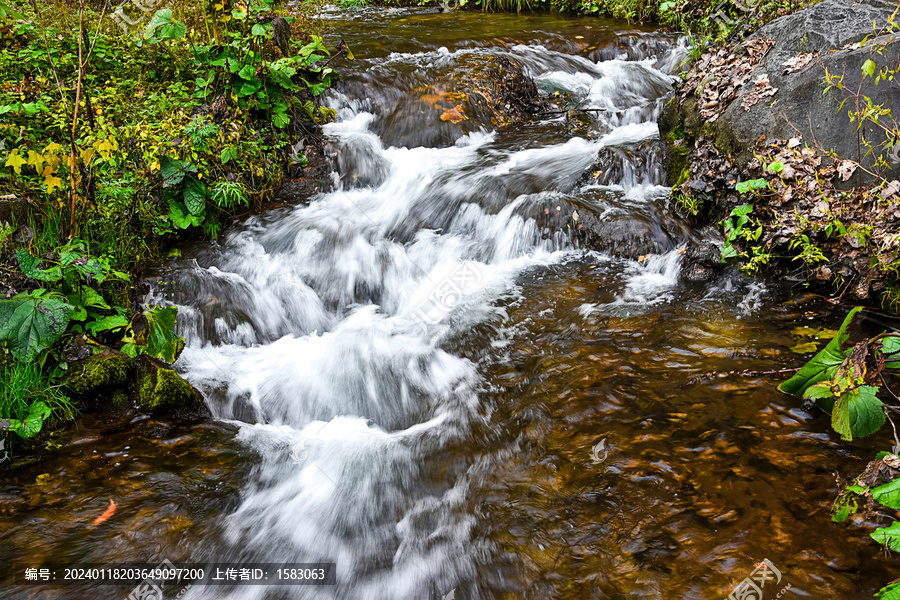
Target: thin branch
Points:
(53, 68)
(888, 417)
(745, 373)
(889, 390)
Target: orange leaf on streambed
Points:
(107, 513)
(454, 115)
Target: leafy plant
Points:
(31, 323)
(845, 382)
(734, 226)
(157, 338)
(877, 486)
(751, 185)
(26, 401)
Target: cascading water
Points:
(469, 371)
(327, 325)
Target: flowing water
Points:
(416, 377)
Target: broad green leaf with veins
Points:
(823, 365)
(29, 325)
(888, 494)
(890, 592)
(888, 536)
(857, 413)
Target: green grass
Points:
(23, 384)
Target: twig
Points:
(889, 390)
(745, 373)
(897, 441)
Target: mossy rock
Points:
(98, 374)
(678, 168)
(161, 389)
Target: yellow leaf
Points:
(807, 348)
(52, 182)
(47, 172)
(105, 148)
(36, 160)
(87, 155)
(15, 161)
(52, 147)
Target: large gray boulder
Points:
(799, 105)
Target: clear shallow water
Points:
(412, 378)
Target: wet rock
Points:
(161, 389)
(95, 377)
(626, 166)
(107, 380)
(702, 261)
(780, 96)
(305, 182)
(13, 209)
(78, 349)
(581, 225)
(23, 234)
(479, 91)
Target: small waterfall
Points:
(325, 329)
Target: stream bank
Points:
(825, 204)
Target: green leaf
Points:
(162, 342)
(822, 366)
(181, 217)
(228, 154)
(728, 251)
(173, 170)
(163, 27)
(6, 11)
(752, 184)
(31, 425)
(30, 325)
(248, 88)
(890, 347)
(888, 536)
(820, 390)
(29, 266)
(840, 513)
(888, 494)
(92, 269)
(132, 350)
(858, 413)
(889, 592)
(194, 196)
(248, 72)
(869, 67)
(87, 297)
(107, 324)
(259, 29)
(280, 120)
(776, 166)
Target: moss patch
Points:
(98, 373)
(159, 387)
